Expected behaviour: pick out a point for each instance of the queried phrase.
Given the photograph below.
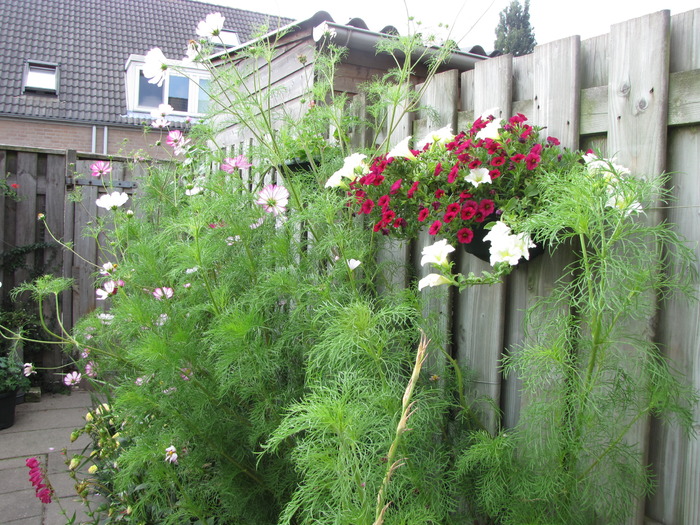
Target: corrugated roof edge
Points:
(357, 35)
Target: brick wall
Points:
(60, 135)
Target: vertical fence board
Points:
(638, 112)
(480, 322)
(68, 238)
(442, 95)
(25, 232)
(53, 211)
(675, 456)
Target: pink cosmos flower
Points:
(160, 122)
(231, 163)
(100, 168)
(177, 141)
(90, 369)
(273, 199)
(163, 293)
(109, 288)
(72, 378)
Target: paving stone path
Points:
(43, 430)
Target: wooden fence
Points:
(58, 184)
(635, 94)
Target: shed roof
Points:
(91, 40)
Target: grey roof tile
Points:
(91, 41)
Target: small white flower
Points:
(478, 176)
(233, 240)
(171, 454)
(436, 253)
(162, 110)
(162, 319)
(432, 279)
(112, 201)
(353, 263)
(107, 268)
(211, 25)
(155, 66)
(194, 190)
(192, 270)
(326, 30)
(402, 150)
(105, 318)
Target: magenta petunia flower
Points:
(465, 235)
(273, 199)
(435, 228)
(100, 168)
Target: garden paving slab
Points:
(43, 430)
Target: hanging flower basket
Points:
(454, 185)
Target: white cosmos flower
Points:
(439, 136)
(432, 279)
(154, 66)
(112, 201)
(211, 25)
(162, 110)
(171, 454)
(478, 176)
(436, 253)
(353, 263)
(402, 150)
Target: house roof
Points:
(91, 40)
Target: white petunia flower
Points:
(436, 253)
(432, 279)
(507, 247)
(402, 150)
(439, 136)
(348, 171)
(478, 176)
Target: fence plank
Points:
(68, 238)
(478, 334)
(3, 246)
(25, 232)
(638, 112)
(675, 456)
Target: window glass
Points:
(203, 98)
(178, 92)
(41, 77)
(150, 95)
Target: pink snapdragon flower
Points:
(273, 199)
(231, 163)
(40, 482)
(100, 168)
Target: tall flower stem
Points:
(406, 411)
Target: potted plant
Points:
(12, 378)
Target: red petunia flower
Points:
(367, 206)
(498, 161)
(518, 157)
(439, 193)
(487, 207)
(435, 228)
(395, 187)
(383, 201)
(412, 190)
(494, 174)
(474, 164)
(469, 209)
(438, 169)
(423, 214)
(453, 174)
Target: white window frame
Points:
(193, 72)
(44, 66)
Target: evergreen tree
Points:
(514, 34)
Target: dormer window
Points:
(40, 77)
(185, 88)
(229, 38)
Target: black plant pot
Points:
(7, 408)
(480, 248)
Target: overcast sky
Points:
(473, 22)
